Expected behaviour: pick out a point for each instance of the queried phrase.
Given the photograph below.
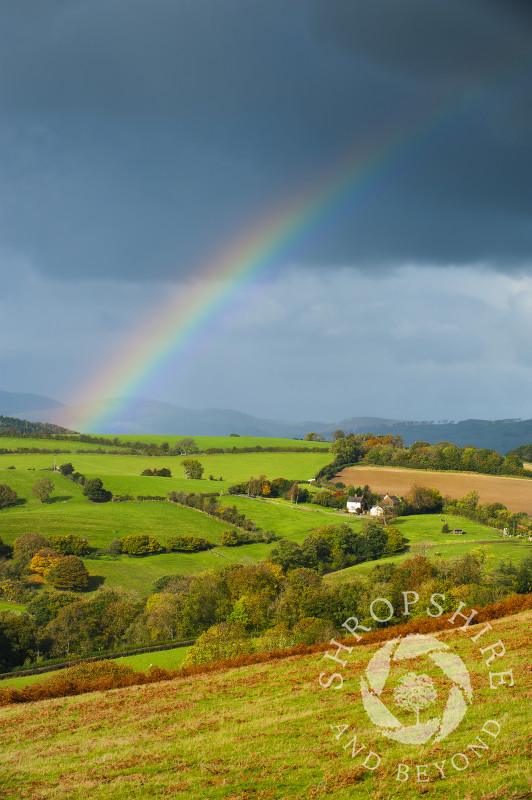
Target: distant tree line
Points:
(389, 450)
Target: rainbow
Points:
(190, 312)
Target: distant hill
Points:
(133, 415)
(137, 415)
(16, 403)
(23, 426)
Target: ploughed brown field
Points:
(515, 493)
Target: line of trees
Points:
(389, 450)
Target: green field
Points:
(68, 511)
(124, 472)
(264, 732)
(166, 659)
(19, 442)
(204, 442)
(16, 608)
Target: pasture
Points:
(264, 731)
(225, 442)
(165, 659)
(125, 471)
(19, 442)
(514, 493)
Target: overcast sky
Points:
(139, 136)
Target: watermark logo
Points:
(415, 692)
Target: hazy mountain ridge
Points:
(142, 416)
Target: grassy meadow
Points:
(264, 732)
(203, 442)
(68, 511)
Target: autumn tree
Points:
(70, 545)
(8, 496)
(424, 500)
(225, 640)
(338, 434)
(69, 574)
(26, 545)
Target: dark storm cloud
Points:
(138, 135)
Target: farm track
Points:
(515, 493)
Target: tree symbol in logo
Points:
(416, 692)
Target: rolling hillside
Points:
(266, 732)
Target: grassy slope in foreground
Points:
(264, 732)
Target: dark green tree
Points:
(17, 639)
(95, 492)
(66, 469)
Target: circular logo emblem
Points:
(415, 692)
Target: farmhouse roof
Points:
(389, 498)
(354, 499)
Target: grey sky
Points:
(138, 136)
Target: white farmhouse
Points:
(355, 505)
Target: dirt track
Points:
(515, 493)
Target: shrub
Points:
(89, 671)
(43, 561)
(70, 545)
(115, 547)
(69, 573)
(25, 546)
(142, 545)
(188, 544)
(8, 496)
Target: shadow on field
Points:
(95, 581)
(59, 499)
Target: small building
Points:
(355, 504)
(391, 499)
(458, 531)
(385, 504)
